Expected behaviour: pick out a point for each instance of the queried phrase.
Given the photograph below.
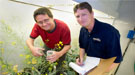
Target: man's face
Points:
(45, 22)
(84, 17)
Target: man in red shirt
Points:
(52, 31)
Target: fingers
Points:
(41, 49)
(51, 59)
(36, 51)
(38, 54)
(79, 62)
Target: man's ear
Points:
(92, 13)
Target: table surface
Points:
(102, 67)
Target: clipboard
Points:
(102, 67)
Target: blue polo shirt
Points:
(103, 41)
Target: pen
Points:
(79, 59)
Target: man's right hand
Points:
(79, 61)
(37, 51)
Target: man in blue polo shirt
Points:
(97, 39)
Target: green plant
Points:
(44, 67)
(33, 65)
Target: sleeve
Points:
(113, 47)
(35, 33)
(81, 45)
(66, 36)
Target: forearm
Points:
(65, 49)
(30, 43)
(82, 53)
(113, 66)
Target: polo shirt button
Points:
(89, 35)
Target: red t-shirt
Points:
(61, 33)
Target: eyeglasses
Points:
(44, 21)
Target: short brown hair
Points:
(83, 5)
(42, 10)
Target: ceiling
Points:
(120, 9)
(60, 5)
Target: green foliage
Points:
(43, 67)
(33, 65)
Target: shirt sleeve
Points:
(81, 45)
(66, 37)
(113, 47)
(35, 33)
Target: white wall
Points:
(20, 18)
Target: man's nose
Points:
(44, 24)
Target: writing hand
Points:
(79, 61)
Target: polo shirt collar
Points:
(96, 27)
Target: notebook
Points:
(89, 63)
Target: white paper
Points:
(89, 64)
(77, 68)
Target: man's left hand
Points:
(54, 56)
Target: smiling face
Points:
(45, 22)
(84, 17)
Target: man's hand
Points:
(54, 56)
(79, 61)
(37, 51)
